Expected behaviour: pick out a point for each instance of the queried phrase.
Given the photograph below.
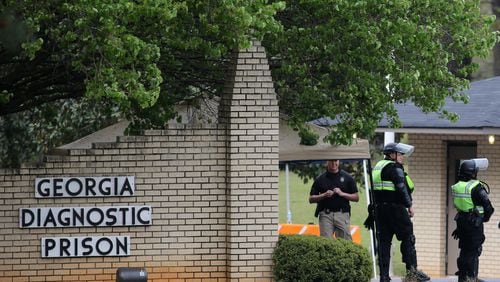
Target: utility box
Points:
(131, 274)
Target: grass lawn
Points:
(303, 212)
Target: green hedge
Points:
(313, 258)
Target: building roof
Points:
(290, 148)
(480, 116)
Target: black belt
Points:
(393, 204)
(335, 210)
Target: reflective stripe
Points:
(384, 184)
(470, 185)
(461, 195)
(304, 228)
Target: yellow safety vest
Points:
(378, 183)
(410, 183)
(462, 196)
(382, 185)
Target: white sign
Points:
(84, 216)
(85, 246)
(73, 187)
(65, 187)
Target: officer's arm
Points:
(480, 198)
(401, 187)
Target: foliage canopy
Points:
(343, 59)
(351, 61)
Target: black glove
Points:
(455, 234)
(370, 220)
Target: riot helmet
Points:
(469, 168)
(402, 148)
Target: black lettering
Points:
(64, 245)
(146, 220)
(99, 246)
(121, 246)
(115, 186)
(78, 216)
(27, 217)
(99, 219)
(38, 217)
(64, 220)
(87, 245)
(110, 214)
(75, 246)
(78, 184)
(126, 188)
(45, 190)
(49, 245)
(133, 216)
(58, 187)
(124, 210)
(89, 186)
(50, 219)
(105, 190)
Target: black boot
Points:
(461, 276)
(414, 274)
(464, 278)
(385, 278)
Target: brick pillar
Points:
(249, 112)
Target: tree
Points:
(24, 136)
(343, 59)
(137, 58)
(352, 61)
(126, 51)
(495, 8)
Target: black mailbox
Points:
(131, 274)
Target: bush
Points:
(312, 258)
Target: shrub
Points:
(312, 258)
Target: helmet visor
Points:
(404, 149)
(481, 164)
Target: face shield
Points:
(405, 149)
(481, 164)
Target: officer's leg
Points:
(478, 238)
(384, 252)
(475, 262)
(461, 265)
(405, 234)
(325, 224)
(470, 244)
(342, 225)
(466, 264)
(468, 249)
(408, 252)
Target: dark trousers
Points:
(393, 220)
(470, 241)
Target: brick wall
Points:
(213, 190)
(428, 170)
